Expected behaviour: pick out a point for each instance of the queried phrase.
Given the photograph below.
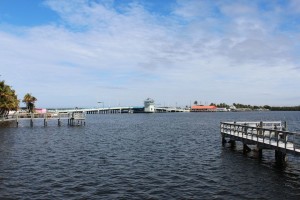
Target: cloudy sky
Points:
(77, 53)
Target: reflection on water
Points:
(142, 156)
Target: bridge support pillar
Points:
(280, 157)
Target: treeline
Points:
(9, 100)
(240, 106)
(285, 108)
(255, 107)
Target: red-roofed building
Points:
(197, 108)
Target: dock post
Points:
(31, 120)
(246, 149)
(232, 143)
(280, 157)
(17, 121)
(285, 126)
(45, 120)
(223, 140)
(259, 153)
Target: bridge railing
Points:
(277, 137)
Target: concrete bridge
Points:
(120, 110)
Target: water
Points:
(142, 156)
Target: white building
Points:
(149, 105)
(221, 109)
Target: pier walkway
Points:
(73, 118)
(265, 135)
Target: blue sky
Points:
(120, 52)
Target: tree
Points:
(8, 99)
(267, 107)
(29, 100)
(195, 102)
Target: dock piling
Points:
(246, 149)
(280, 157)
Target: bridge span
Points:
(119, 110)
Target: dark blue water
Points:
(142, 156)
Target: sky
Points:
(120, 52)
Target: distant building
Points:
(149, 106)
(40, 110)
(232, 108)
(197, 108)
(221, 109)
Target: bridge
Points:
(119, 110)
(265, 135)
(110, 110)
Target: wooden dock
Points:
(265, 135)
(74, 118)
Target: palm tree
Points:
(29, 100)
(8, 99)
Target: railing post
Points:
(261, 126)
(277, 137)
(285, 139)
(294, 139)
(285, 126)
(270, 137)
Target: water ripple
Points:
(160, 156)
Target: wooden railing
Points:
(273, 137)
(17, 115)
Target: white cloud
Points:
(98, 53)
(294, 6)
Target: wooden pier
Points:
(264, 135)
(74, 118)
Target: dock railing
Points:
(38, 115)
(276, 137)
(70, 116)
